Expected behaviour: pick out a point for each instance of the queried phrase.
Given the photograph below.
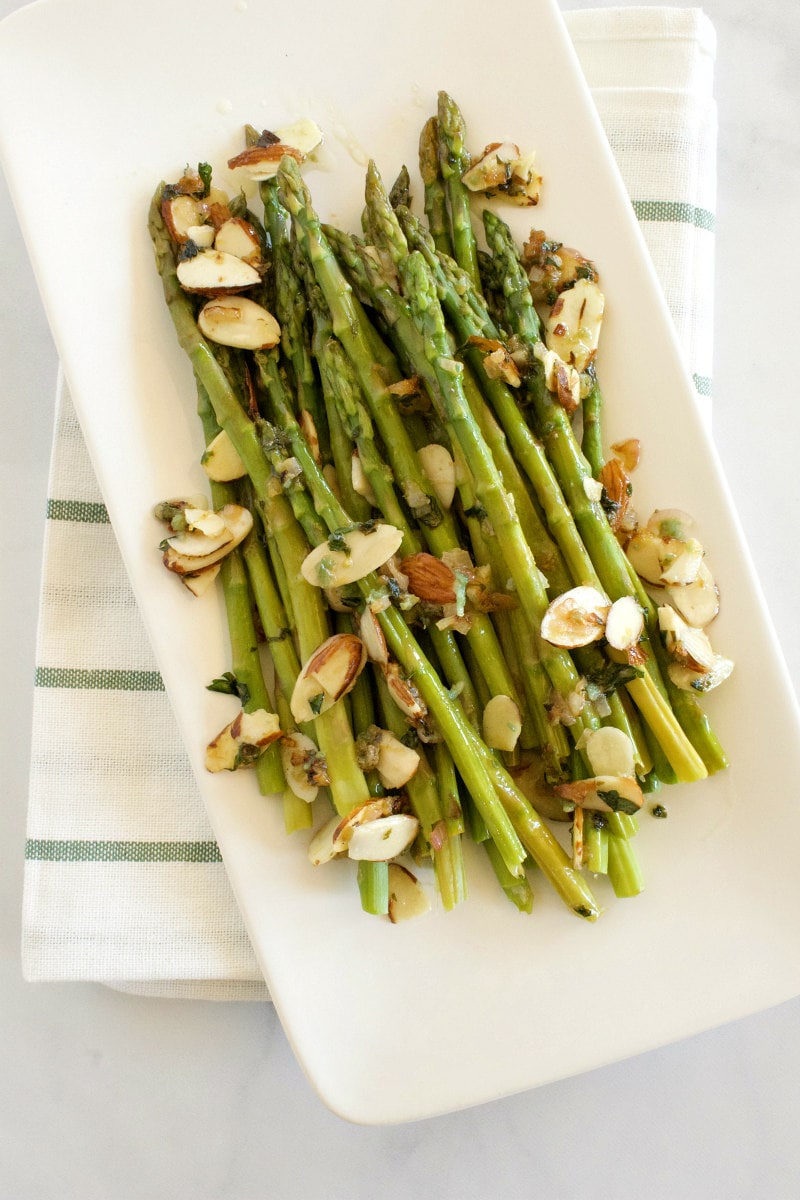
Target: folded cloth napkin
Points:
(123, 880)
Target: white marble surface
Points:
(111, 1097)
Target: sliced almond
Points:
(672, 523)
(407, 897)
(213, 273)
(202, 236)
(240, 322)
(371, 634)
(698, 602)
(605, 793)
(364, 550)
(609, 751)
(701, 681)
(181, 213)
(502, 723)
(430, 578)
(199, 583)
(397, 763)
(624, 623)
(384, 838)
(576, 618)
(242, 742)
(300, 758)
(193, 543)
(329, 674)
(239, 522)
(690, 646)
(573, 325)
(299, 139)
(502, 168)
(332, 838)
(437, 463)
(405, 695)
(361, 485)
(221, 461)
(664, 560)
(238, 237)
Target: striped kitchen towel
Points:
(123, 880)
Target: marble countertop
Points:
(108, 1096)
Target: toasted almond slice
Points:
(438, 465)
(361, 485)
(329, 674)
(366, 550)
(624, 623)
(199, 583)
(383, 838)
(407, 897)
(672, 523)
(239, 522)
(241, 742)
(323, 845)
(609, 751)
(195, 543)
(573, 326)
(701, 681)
(698, 602)
(299, 139)
(605, 793)
(397, 763)
(240, 322)
(334, 836)
(298, 753)
(221, 461)
(404, 694)
(575, 618)
(238, 237)
(181, 213)
(688, 645)
(502, 723)
(211, 523)
(202, 236)
(214, 273)
(492, 168)
(664, 560)
(371, 634)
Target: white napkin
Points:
(123, 880)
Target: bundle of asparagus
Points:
(403, 511)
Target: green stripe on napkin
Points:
(74, 850)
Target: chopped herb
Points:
(618, 803)
(658, 810)
(204, 171)
(316, 703)
(229, 685)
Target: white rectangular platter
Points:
(395, 1023)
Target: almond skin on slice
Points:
(199, 583)
(333, 837)
(239, 322)
(239, 522)
(181, 213)
(407, 897)
(383, 838)
(329, 674)
(214, 273)
(429, 578)
(605, 793)
(364, 551)
(242, 741)
(575, 618)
